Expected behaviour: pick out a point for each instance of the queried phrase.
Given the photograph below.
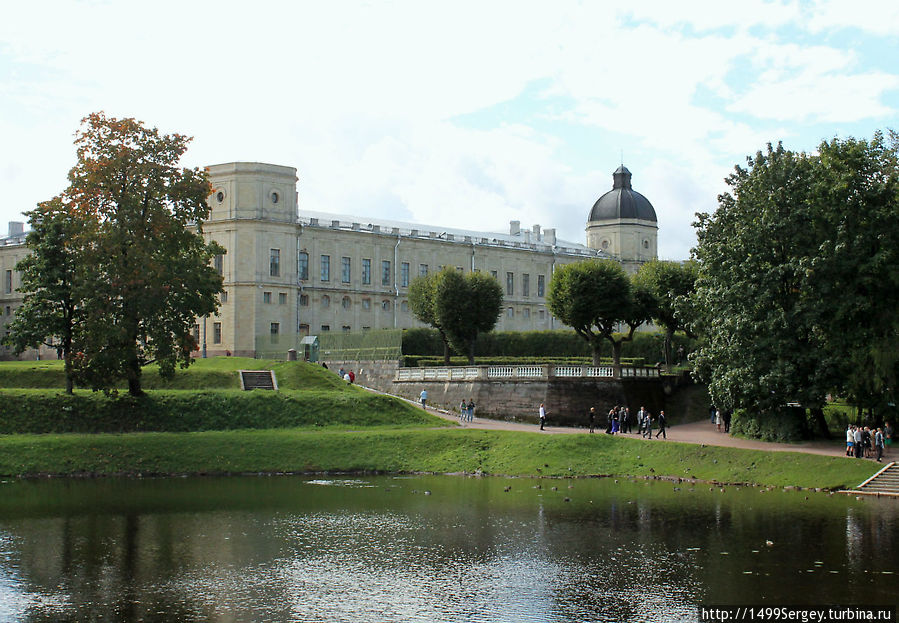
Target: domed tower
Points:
(623, 223)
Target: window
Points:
(366, 304)
(197, 332)
(404, 274)
(326, 327)
(218, 262)
(8, 312)
(303, 265)
(385, 305)
(525, 284)
(304, 300)
(274, 262)
(646, 244)
(510, 313)
(422, 270)
(224, 296)
(459, 269)
(345, 270)
(510, 284)
(8, 283)
(366, 271)
(267, 298)
(542, 314)
(282, 298)
(345, 302)
(404, 307)
(385, 273)
(217, 333)
(526, 312)
(493, 274)
(275, 197)
(304, 329)
(275, 330)
(345, 328)
(326, 267)
(541, 285)
(326, 301)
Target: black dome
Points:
(622, 201)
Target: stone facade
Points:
(289, 272)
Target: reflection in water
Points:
(293, 549)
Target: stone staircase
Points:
(884, 482)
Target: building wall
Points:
(254, 214)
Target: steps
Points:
(884, 482)
(258, 379)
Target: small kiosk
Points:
(309, 344)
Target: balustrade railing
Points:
(472, 373)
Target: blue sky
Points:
(462, 114)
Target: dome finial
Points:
(621, 178)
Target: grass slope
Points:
(416, 450)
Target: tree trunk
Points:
(820, 423)
(446, 348)
(133, 374)
(616, 358)
(597, 357)
(669, 335)
(471, 351)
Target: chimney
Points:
(536, 230)
(16, 228)
(549, 236)
(514, 228)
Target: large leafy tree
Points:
(670, 285)
(798, 272)
(459, 306)
(53, 281)
(150, 273)
(596, 297)
(467, 305)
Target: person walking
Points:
(718, 419)
(878, 444)
(542, 416)
(662, 424)
(647, 425)
(887, 436)
(850, 440)
(423, 396)
(641, 419)
(591, 418)
(728, 413)
(859, 436)
(471, 409)
(463, 411)
(626, 420)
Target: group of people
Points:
(619, 421)
(868, 443)
(346, 375)
(720, 418)
(466, 410)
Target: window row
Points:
(347, 303)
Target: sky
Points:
(460, 114)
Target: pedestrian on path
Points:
(662, 424)
(591, 417)
(878, 444)
(887, 435)
(542, 416)
(463, 411)
(647, 425)
(471, 409)
(423, 396)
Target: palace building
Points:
(290, 272)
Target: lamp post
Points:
(204, 336)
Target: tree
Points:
(150, 274)
(467, 305)
(799, 270)
(594, 297)
(458, 306)
(53, 276)
(670, 285)
(422, 303)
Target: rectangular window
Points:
(217, 333)
(385, 273)
(510, 312)
(525, 284)
(542, 314)
(304, 300)
(345, 328)
(404, 274)
(366, 271)
(282, 298)
(267, 298)
(366, 304)
(303, 265)
(541, 285)
(326, 327)
(526, 312)
(422, 270)
(224, 296)
(7, 286)
(218, 262)
(493, 274)
(345, 270)
(197, 333)
(275, 330)
(510, 283)
(274, 262)
(326, 267)
(304, 329)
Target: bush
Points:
(783, 426)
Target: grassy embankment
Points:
(329, 426)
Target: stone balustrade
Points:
(527, 372)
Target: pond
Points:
(431, 548)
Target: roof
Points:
(622, 202)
